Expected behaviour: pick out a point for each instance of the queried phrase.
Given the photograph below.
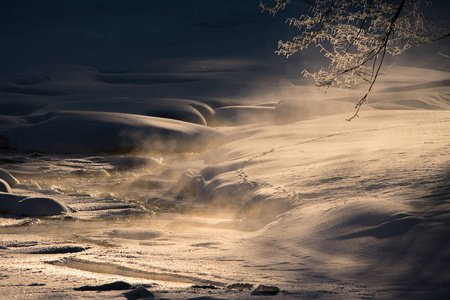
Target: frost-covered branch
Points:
(280, 4)
(356, 35)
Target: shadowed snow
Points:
(90, 132)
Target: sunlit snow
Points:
(164, 144)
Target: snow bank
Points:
(34, 207)
(82, 132)
(177, 109)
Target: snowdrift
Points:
(91, 132)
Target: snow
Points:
(4, 187)
(235, 115)
(8, 178)
(9, 201)
(164, 144)
(91, 132)
(35, 207)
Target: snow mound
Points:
(6, 176)
(220, 191)
(178, 109)
(9, 201)
(4, 186)
(373, 217)
(90, 132)
(39, 206)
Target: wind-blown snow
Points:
(164, 142)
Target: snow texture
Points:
(163, 144)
